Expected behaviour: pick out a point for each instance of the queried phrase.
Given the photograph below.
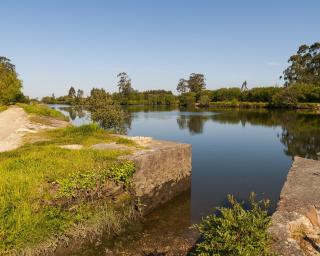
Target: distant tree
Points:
(80, 94)
(304, 66)
(196, 83)
(124, 84)
(10, 85)
(244, 86)
(182, 86)
(72, 92)
(53, 97)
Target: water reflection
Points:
(300, 130)
(74, 112)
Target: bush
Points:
(287, 97)
(236, 231)
(106, 111)
(260, 94)
(204, 100)
(226, 94)
(187, 99)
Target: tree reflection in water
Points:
(300, 129)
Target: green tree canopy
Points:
(182, 86)
(196, 83)
(304, 66)
(10, 85)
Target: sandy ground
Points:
(14, 124)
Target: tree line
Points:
(301, 84)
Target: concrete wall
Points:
(295, 226)
(162, 172)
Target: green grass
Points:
(3, 108)
(42, 110)
(44, 188)
(238, 104)
(86, 135)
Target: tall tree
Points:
(182, 86)
(196, 83)
(72, 92)
(244, 86)
(80, 94)
(304, 66)
(124, 84)
(10, 85)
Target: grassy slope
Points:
(42, 110)
(39, 183)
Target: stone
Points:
(295, 226)
(72, 146)
(108, 146)
(313, 216)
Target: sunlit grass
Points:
(3, 108)
(42, 110)
(37, 179)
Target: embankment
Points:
(295, 226)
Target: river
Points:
(233, 152)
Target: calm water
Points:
(233, 152)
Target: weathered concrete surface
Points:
(295, 225)
(163, 170)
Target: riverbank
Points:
(225, 105)
(295, 225)
(80, 182)
(15, 123)
(235, 104)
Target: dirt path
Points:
(14, 124)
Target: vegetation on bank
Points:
(47, 191)
(236, 230)
(3, 108)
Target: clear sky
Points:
(56, 44)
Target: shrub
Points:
(260, 94)
(187, 99)
(105, 111)
(287, 97)
(204, 100)
(226, 94)
(235, 230)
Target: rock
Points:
(313, 216)
(72, 146)
(105, 146)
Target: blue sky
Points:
(56, 44)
